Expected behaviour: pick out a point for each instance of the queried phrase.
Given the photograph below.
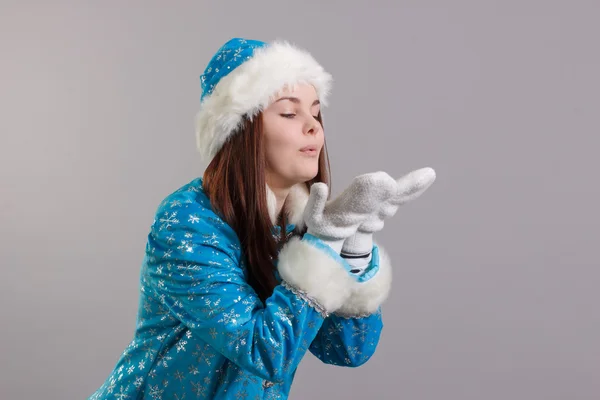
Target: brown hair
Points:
(235, 183)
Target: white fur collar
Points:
(294, 205)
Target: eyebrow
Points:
(297, 100)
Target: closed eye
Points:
(293, 115)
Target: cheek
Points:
(284, 138)
(279, 152)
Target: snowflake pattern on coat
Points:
(203, 333)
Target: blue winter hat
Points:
(242, 78)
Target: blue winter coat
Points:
(203, 333)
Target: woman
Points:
(250, 266)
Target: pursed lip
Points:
(309, 148)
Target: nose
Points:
(312, 126)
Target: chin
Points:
(304, 176)
(305, 171)
(310, 175)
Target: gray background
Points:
(496, 266)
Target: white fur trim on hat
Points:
(250, 88)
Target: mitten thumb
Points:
(316, 202)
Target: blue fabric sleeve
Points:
(345, 340)
(193, 268)
(348, 342)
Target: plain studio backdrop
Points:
(496, 269)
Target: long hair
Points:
(235, 183)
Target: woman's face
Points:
(289, 127)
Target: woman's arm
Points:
(192, 268)
(350, 336)
(348, 342)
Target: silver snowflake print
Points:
(179, 375)
(204, 354)
(212, 307)
(168, 220)
(138, 382)
(156, 392)
(285, 314)
(122, 395)
(361, 331)
(335, 328)
(212, 239)
(181, 345)
(112, 385)
(213, 333)
(237, 54)
(186, 246)
(354, 351)
(230, 317)
(198, 388)
(237, 341)
(170, 239)
(163, 359)
(249, 303)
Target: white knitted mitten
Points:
(357, 248)
(335, 220)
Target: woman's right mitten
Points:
(373, 278)
(356, 249)
(335, 220)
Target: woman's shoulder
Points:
(189, 196)
(188, 210)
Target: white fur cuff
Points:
(314, 272)
(366, 297)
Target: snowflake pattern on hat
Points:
(231, 55)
